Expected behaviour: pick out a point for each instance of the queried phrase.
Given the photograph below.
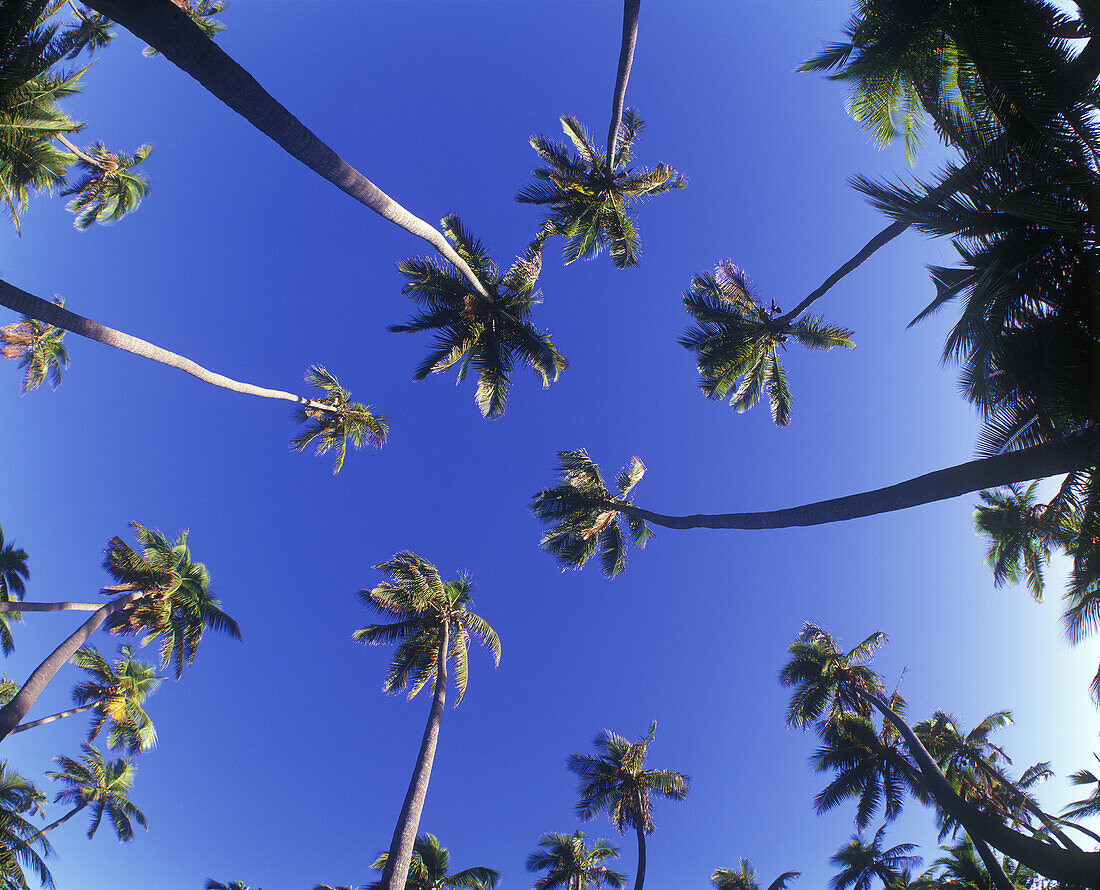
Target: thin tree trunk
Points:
(44, 720)
(640, 877)
(1069, 866)
(631, 9)
(50, 313)
(12, 714)
(60, 137)
(14, 606)
(53, 825)
(167, 29)
(404, 836)
(1072, 452)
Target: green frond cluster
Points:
(176, 605)
(569, 862)
(107, 189)
(102, 787)
(332, 429)
(429, 611)
(38, 347)
(745, 878)
(490, 336)
(584, 516)
(13, 574)
(737, 341)
(202, 13)
(591, 200)
(23, 849)
(861, 864)
(430, 870)
(118, 692)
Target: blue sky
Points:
(280, 761)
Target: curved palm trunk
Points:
(640, 877)
(166, 28)
(1072, 452)
(60, 137)
(1069, 866)
(41, 834)
(50, 313)
(631, 9)
(12, 714)
(44, 720)
(404, 835)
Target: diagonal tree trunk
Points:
(50, 313)
(640, 877)
(42, 721)
(631, 9)
(399, 859)
(162, 25)
(1072, 452)
(12, 714)
(1068, 866)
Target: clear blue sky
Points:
(280, 761)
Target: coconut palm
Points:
(962, 869)
(615, 781)
(590, 197)
(13, 574)
(745, 878)
(491, 333)
(18, 836)
(433, 628)
(38, 347)
(1090, 805)
(738, 340)
(1019, 538)
(336, 420)
(211, 884)
(570, 863)
(100, 785)
(861, 863)
(160, 593)
(107, 189)
(430, 870)
(586, 516)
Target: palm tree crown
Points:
(176, 605)
(102, 786)
(38, 347)
(18, 836)
(13, 574)
(584, 516)
(738, 340)
(491, 335)
(430, 869)
(570, 863)
(860, 863)
(107, 189)
(118, 692)
(591, 199)
(332, 429)
(745, 878)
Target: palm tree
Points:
(586, 516)
(101, 785)
(962, 869)
(331, 421)
(745, 878)
(1087, 806)
(1019, 539)
(38, 347)
(107, 190)
(430, 870)
(116, 694)
(170, 30)
(13, 574)
(336, 420)
(738, 340)
(590, 197)
(18, 836)
(861, 863)
(211, 884)
(491, 332)
(615, 781)
(570, 863)
(434, 626)
(161, 593)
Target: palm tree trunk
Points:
(41, 834)
(640, 877)
(1069, 866)
(404, 836)
(162, 25)
(60, 137)
(12, 714)
(50, 313)
(631, 9)
(44, 720)
(16, 606)
(1072, 452)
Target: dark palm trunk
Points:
(400, 855)
(50, 313)
(1068, 866)
(167, 29)
(1072, 452)
(641, 857)
(631, 9)
(42, 721)
(12, 714)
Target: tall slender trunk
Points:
(12, 714)
(162, 25)
(19, 606)
(60, 137)
(42, 721)
(41, 834)
(640, 877)
(50, 313)
(631, 9)
(1072, 452)
(1069, 866)
(404, 835)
